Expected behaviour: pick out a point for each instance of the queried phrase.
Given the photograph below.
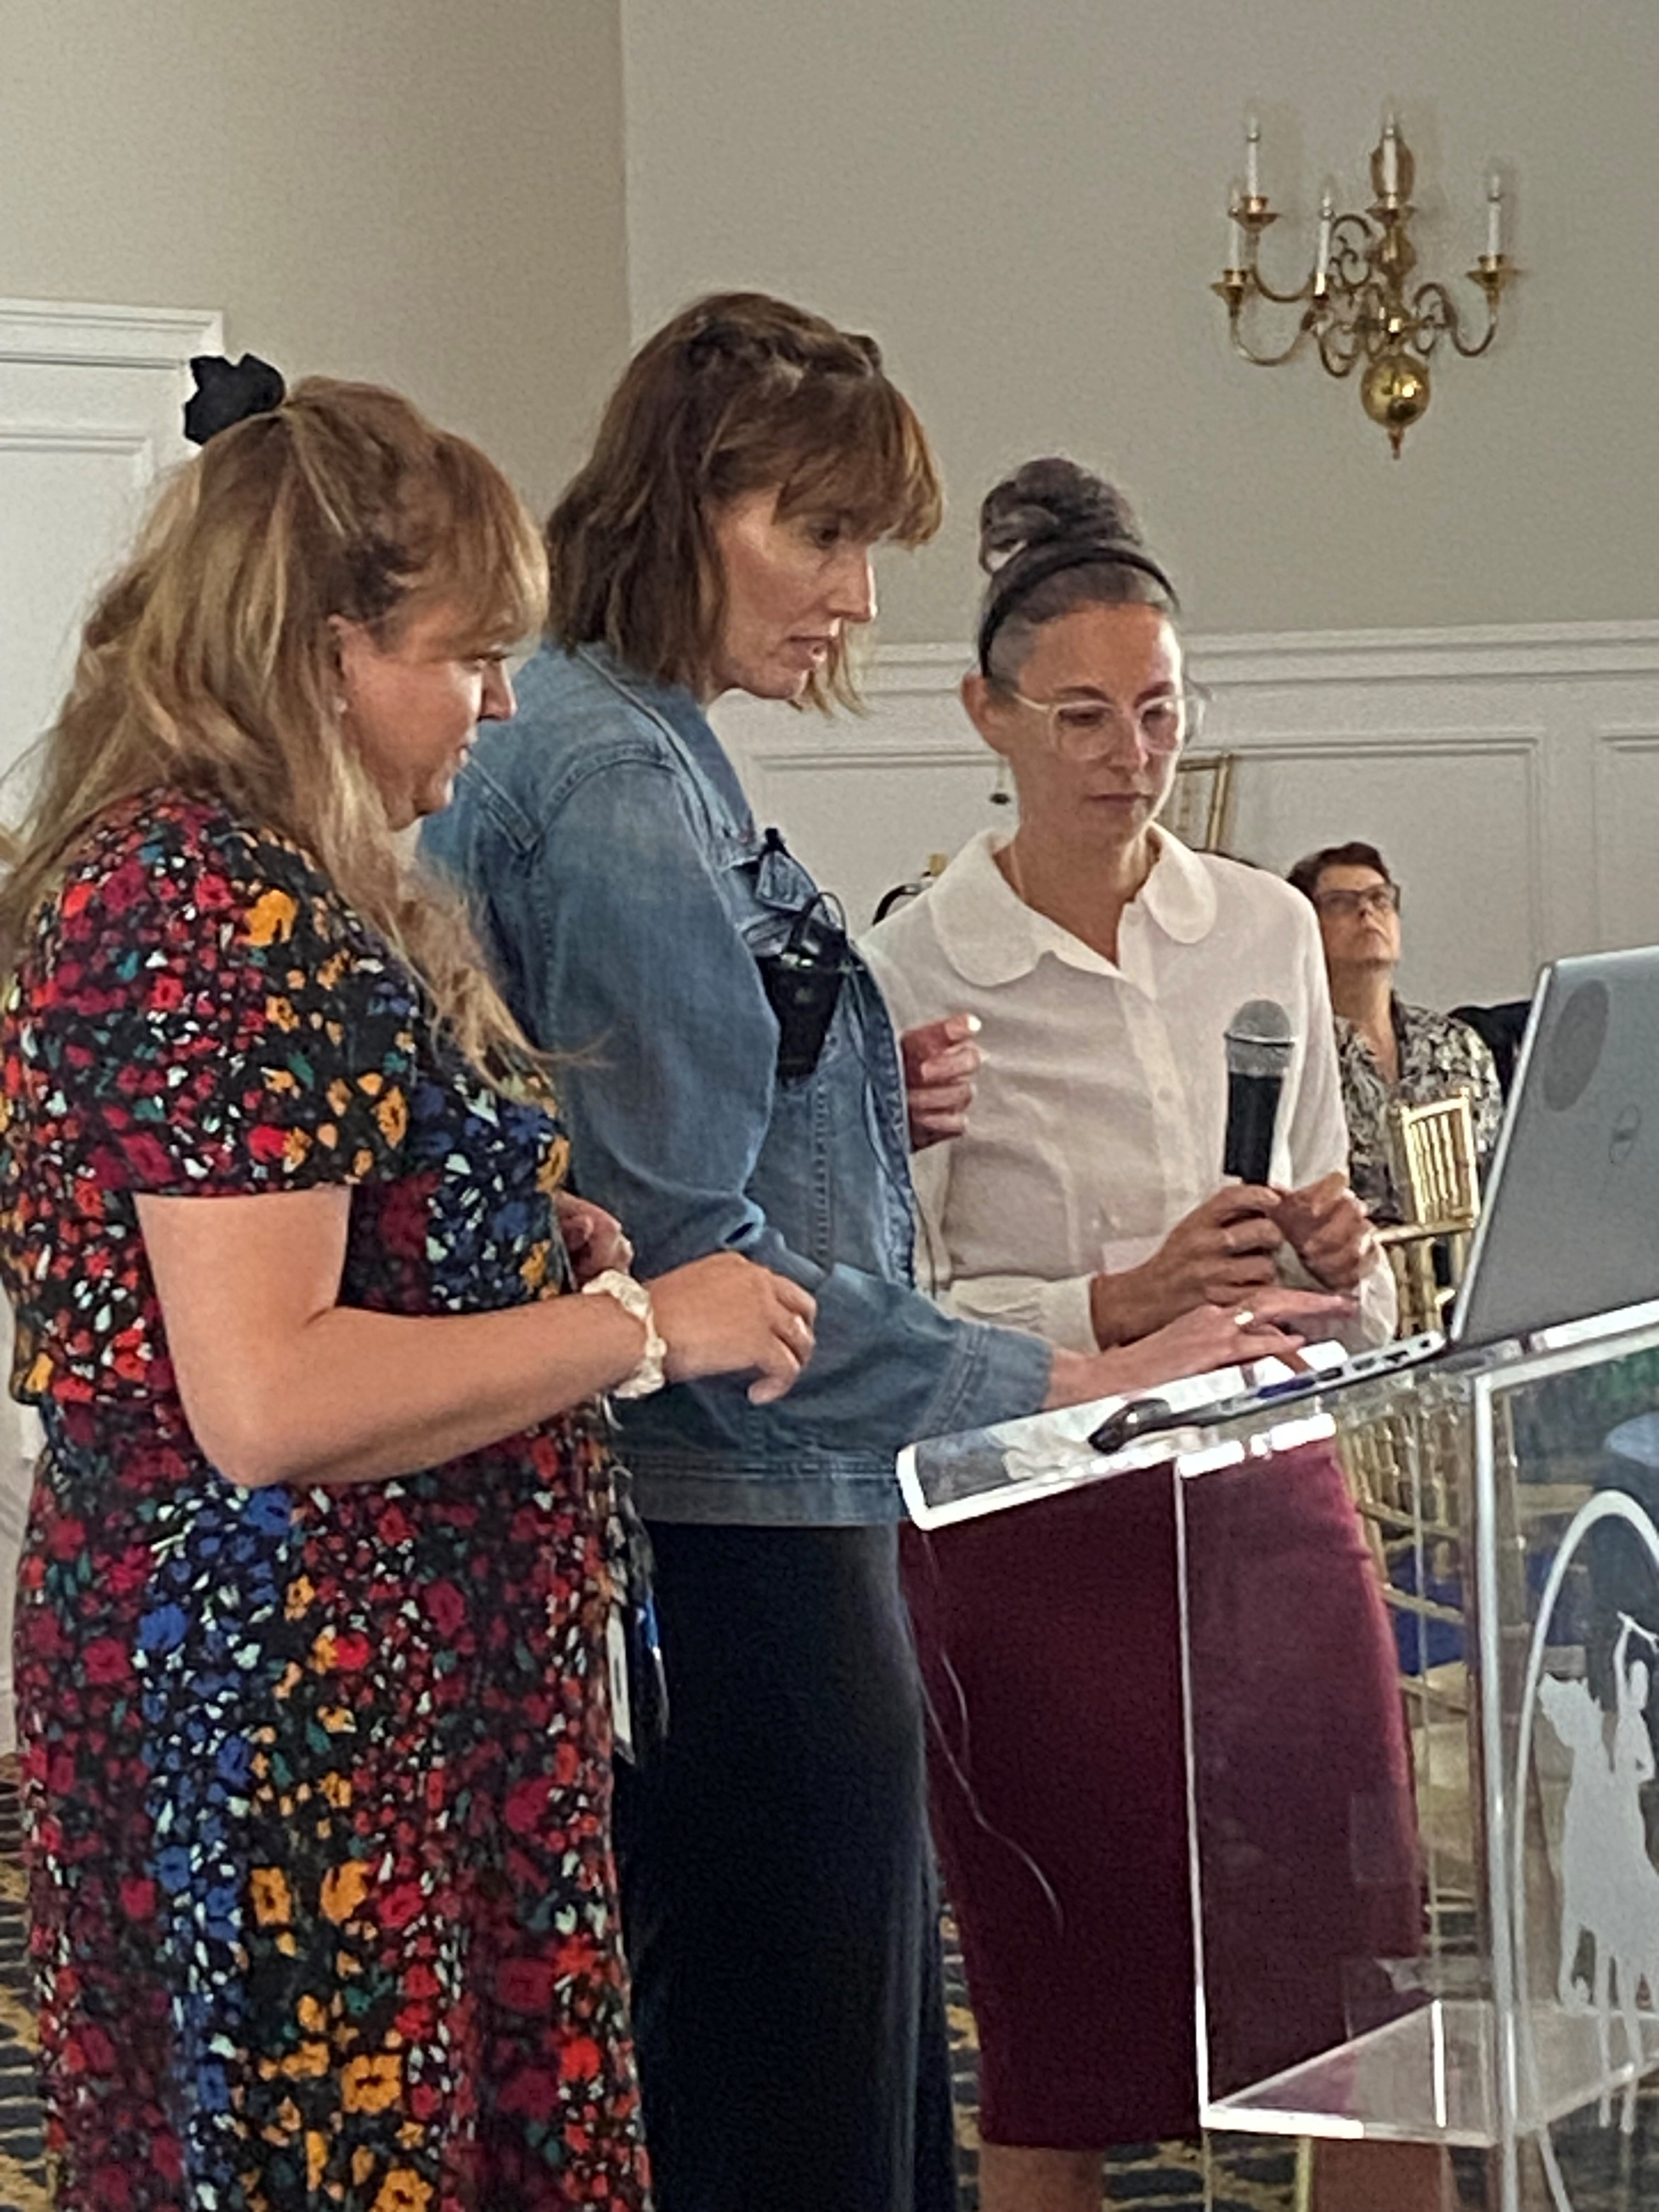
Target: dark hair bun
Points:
(1049, 502)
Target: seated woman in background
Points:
(312, 1611)
(1388, 1052)
(1086, 1199)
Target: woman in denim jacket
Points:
(776, 1882)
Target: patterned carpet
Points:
(22, 2176)
(1604, 2169)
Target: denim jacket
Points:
(623, 894)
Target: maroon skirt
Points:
(1049, 1639)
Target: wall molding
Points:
(134, 447)
(1530, 648)
(1290, 660)
(1521, 652)
(56, 333)
(66, 438)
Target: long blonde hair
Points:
(208, 664)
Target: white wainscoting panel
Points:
(1511, 776)
(1624, 791)
(90, 401)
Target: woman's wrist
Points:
(1076, 1377)
(648, 1371)
(1122, 1307)
(1068, 1379)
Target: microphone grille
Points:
(1262, 1020)
(1260, 1038)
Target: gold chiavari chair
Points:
(1432, 1149)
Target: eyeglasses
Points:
(1376, 898)
(1079, 728)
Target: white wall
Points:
(420, 192)
(1024, 204)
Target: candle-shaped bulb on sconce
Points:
(1390, 153)
(1253, 156)
(1235, 230)
(1494, 216)
(1322, 255)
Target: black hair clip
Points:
(228, 392)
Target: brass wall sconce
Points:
(1357, 304)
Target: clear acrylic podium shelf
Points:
(1432, 2076)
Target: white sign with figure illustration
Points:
(1609, 1885)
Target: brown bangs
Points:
(859, 451)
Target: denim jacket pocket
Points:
(767, 890)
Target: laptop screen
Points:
(1571, 1223)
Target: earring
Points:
(1000, 794)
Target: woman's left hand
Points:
(940, 1062)
(593, 1238)
(1274, 1325)
(1326, 1228)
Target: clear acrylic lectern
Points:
(1510, 1502)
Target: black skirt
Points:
(779, 1906)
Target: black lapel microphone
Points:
(1259, 1048)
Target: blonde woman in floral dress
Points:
(314, 1608)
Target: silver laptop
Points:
(1571, 1224)
(1569, 1233)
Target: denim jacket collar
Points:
(677, 714)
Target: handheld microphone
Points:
(1259, 1048)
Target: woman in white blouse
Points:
(1084, 1200)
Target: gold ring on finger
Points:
(1244, 1318)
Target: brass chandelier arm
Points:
(1304, 290)
(1341, 347)
(1432, 316)
(1351, 243)
(1436, 314)
(1474, 352)
(1264, 360)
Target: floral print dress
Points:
(1439, 1055)
(316, 1779)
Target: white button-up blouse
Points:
(1100, 1115)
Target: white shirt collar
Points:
(990, 935)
